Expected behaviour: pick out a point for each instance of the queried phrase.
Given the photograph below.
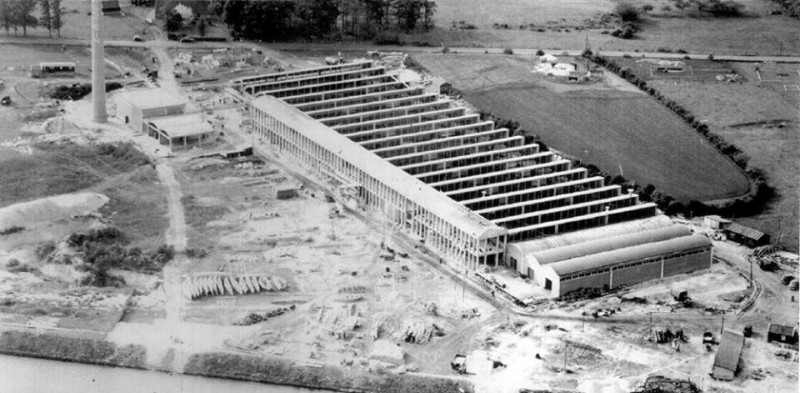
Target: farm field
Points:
(773, 150)
(761, 118)
(598, 124)
(565, 27)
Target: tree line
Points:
(280, 20)
(761, 192)
(24, 14)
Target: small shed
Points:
(286, 191)
(134, 106)
(726, 363)
(782, 334)
(181, 131)
(747, 236)
(446, 89)
(716, 222)
(111, 7)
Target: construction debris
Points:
(657, 383)
(254, 318)
(419, 332)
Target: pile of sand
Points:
(53, 208)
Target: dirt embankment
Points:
(284, 372)
(72, 349)
(68, 348)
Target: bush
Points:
(11, 230)
(508, 51)
(627, 12)
(196, 253)
(539, 52)
(647, 7)
(44, 250)
(711, 57)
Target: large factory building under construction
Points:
(455, 182)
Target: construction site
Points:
(353, 219)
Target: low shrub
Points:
(508, 51)
(11, 230)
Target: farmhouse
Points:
(453, 181)
(782, 334)
(134, 106)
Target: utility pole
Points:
(583, 318)
(566, 348)
(722, 329)
(751, 269)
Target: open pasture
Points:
(681, 70)
(613, 129)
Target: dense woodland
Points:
(280, 20)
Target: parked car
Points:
(138, 38)
(5, 101)
(187, 40)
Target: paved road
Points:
(366, 46)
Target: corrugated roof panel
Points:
(610, 244)
(620, 256)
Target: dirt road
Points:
(176, 237)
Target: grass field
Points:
(775, 151)
(759, 33)
(58, 169)
(748, 116)
(597, 123)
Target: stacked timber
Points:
(218, 284)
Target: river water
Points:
(30, 375)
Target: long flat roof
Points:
(179, 126)
(150, 98)
(395, 178)
(730, 350)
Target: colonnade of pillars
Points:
(462, 250)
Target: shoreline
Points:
(241, 367)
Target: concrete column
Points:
(98, 64)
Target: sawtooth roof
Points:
(395, 178)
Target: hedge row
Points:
(72, 349)
(285, 372)
(761, 192)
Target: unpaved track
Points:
(176, 237)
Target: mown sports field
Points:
(615, 129)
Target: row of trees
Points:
(792, 6)
(716, 8)
(278, 19)
(761, 193)
(24, 14)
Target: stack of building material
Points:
(215, 284)
(418, 332)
